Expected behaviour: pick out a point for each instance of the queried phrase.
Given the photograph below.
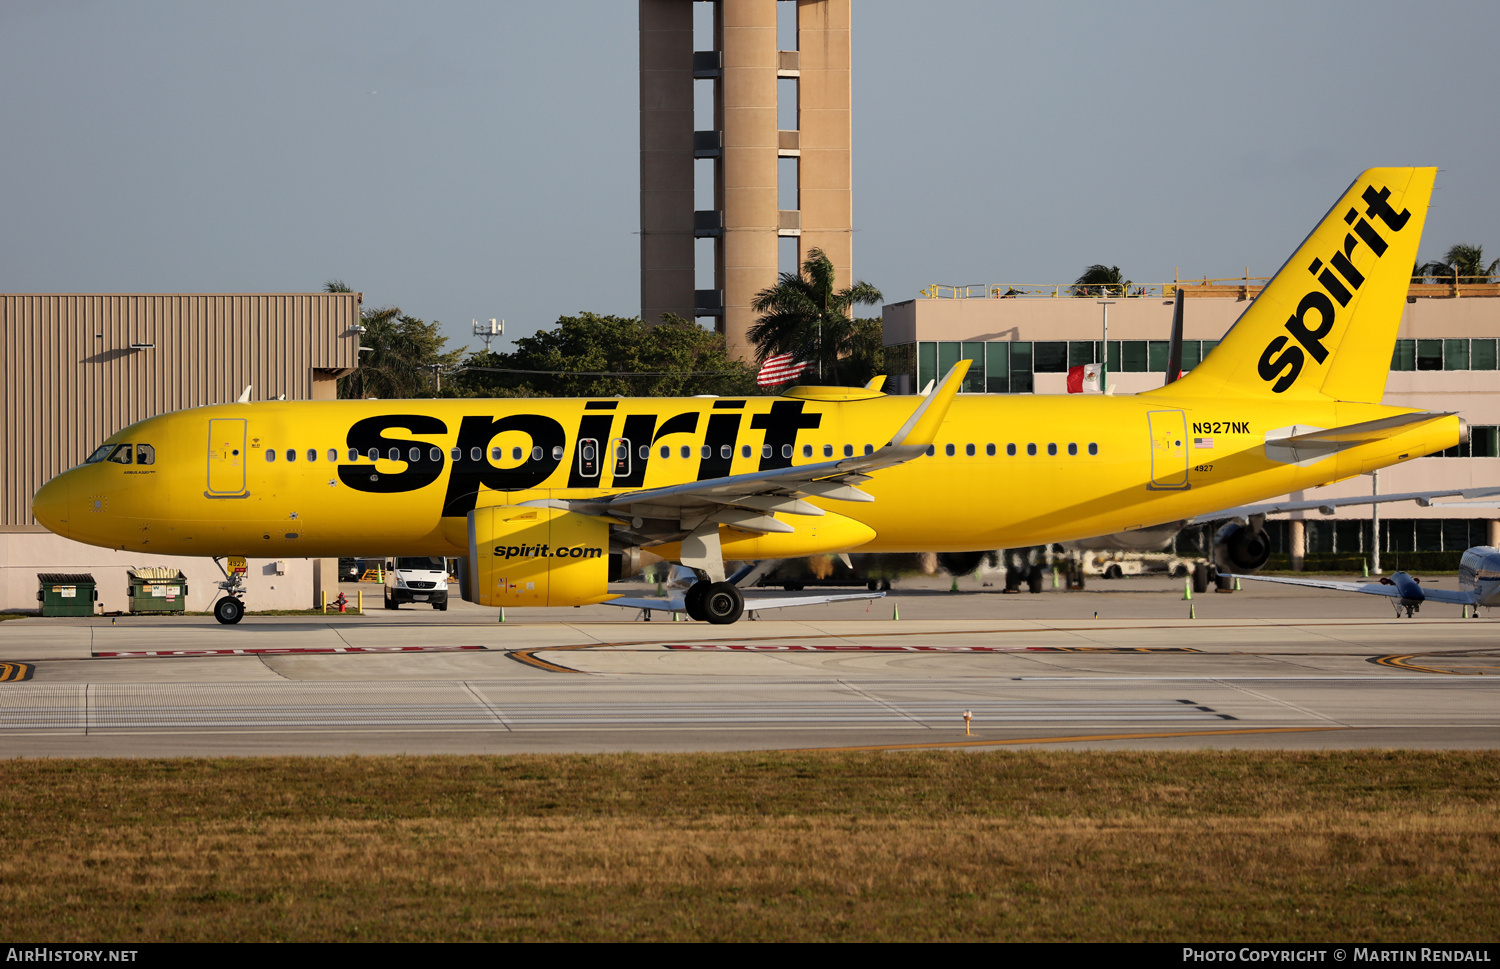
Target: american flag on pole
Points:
(780, 369)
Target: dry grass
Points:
(1014, 845)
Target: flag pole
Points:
(1104, 348)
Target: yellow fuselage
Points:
(1100, 465)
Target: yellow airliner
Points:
(534, 495)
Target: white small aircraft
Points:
(681, 597)
(1478, 581)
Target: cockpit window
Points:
(145, 454)
(100, 453)
(121, 454)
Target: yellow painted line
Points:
(15, 672)
(528, 657)
(1401, 662)
(1084, 738)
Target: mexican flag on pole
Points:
(1083, 377)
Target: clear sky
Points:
(475, 159)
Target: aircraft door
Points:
(1169, 453)
(226, 457)
(588, 458)
(619, 452)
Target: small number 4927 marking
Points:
(1204, 467)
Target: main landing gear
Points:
(229, 610)
(719, 603)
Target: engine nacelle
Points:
(525, 556)
(960, 563)
(1241, 548)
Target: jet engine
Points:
(1242, 546)
(960, 563)
(530, 556)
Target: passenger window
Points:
(687, 452)
(726, 452)
(1010, 449)
(645, 452)
(968, 450)
(745, 451)
(394, 454)
(374, 454)
(455, 454)
(807, 450)
(1052, 450)
(1031, 450)
(476, 454)
(948, 450)
(333, 455)
(828, 450)
(786, 451)
(312, 454)
(765, 451)
(270, 454)
(931, 450)
(989, 450)
(1093, 449)
(436, 454)
(536, 453)
(848, 450)
(515, 454)
(666, 451)
(496, 454)
(557, 452)
(707, 452)
(869, 449)
(1072, 449)
(414, 454)
(291, 455)
(354, 454)
(146, 454)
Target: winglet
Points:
(876, 382)
(244, 397)
(922, 426)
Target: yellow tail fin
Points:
(1326, 324)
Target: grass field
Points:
(1367, 846)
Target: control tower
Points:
(745, 146)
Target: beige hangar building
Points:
(1446, 359)
(79, 367)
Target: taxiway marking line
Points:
(15, 672)
(1086, 738)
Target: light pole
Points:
(1104, 348)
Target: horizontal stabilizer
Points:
(1364, 432)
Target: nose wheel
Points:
(229, 610)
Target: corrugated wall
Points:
(71, 378)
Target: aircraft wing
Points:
(1368, 588)
(1327, 505)
(675, 603)
(756, 494)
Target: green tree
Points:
(590, 355)
(803, 315)
(1100, 280)
(399, 356)
(1461, 263)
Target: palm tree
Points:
(804, 315)
(1460, 264)
(1100, 280)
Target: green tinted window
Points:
(1429, 354)
(974, 379)
(1405, 355)
(1050, 356)
(947, 357)
(1455, 354)
(1113, 363)
(997, 367)
(926, 365)
(1484, 441)
(1133, 356)
(1192, 354)
(1020, 367)
(1156, 355)
(1081, 352)
(1482, 355)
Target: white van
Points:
(416, 578)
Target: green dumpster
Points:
(157, 590)
(66, 593)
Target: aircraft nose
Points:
(50, 505)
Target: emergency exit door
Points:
(226, 458)
(1169, 452)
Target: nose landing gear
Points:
(231, 609)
